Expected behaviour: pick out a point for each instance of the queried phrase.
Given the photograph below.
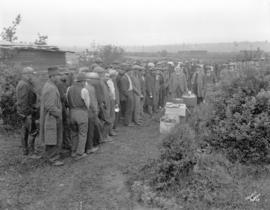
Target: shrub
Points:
(240, 122)
(177, 158)
(9, 78)
(186, 176)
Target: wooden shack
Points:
(40, 57)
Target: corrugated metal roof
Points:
(23, 46)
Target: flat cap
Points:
(28, 70)
(83, 69)
(137, 67)
(52, 71)
(80, 77)
(99, 69)
(92, 75)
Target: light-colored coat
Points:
(178, 84)
(50, 115)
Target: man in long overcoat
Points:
(198, 82)
(127, 97)
(149, 90)
(178, 83)
(51, 118)
(26, 108)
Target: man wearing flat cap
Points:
(198, 83)
(78, 101)
(91, 144)
(65, 81)
(135, 73)
(149, 89)
(27, 110)
(51, 118)
(105, 108)
(126, 90)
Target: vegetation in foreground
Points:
(219, 158)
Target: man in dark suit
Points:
(126, 96)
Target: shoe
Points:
(73, 154)
(130, 125)
(57, 163)
(112, 133)
(108, 139)
(93, 150)
(35, 157)
(55, 158)
(138, 124)
(78, 157)
(25, 152)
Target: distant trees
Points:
(164, 53)
(9, 33)
(110, 53)
(41, 40)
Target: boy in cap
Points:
(51, 118)
(27, 110)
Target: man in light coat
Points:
(178, 83)
(51, 118)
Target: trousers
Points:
(128, 108)
(137, 109)
(29, 132)
(79, 128)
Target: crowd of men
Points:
(78, 111)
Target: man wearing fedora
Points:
(51, 118)
(78, 101)
(27, 110)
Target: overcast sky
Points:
(139, 22)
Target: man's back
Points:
(26, 97)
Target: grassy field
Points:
(97, 182)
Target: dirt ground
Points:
(97, 182)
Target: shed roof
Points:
(23, 46)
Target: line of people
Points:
(78, 111)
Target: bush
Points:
(9, 78)
(177, 159)
(240, 123)
(186, 176)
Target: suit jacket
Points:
(117, 94)
(178, 84)
(198, 82)
(149, 88)
(93, 99)
(50, 115)
(26, 98)
(123, 89)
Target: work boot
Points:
(35, 156)
(25, 152)
(78, 157)
(57, 163)
(108, 139)
(93, 150)
(112, 133)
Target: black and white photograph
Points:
(135, 104)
